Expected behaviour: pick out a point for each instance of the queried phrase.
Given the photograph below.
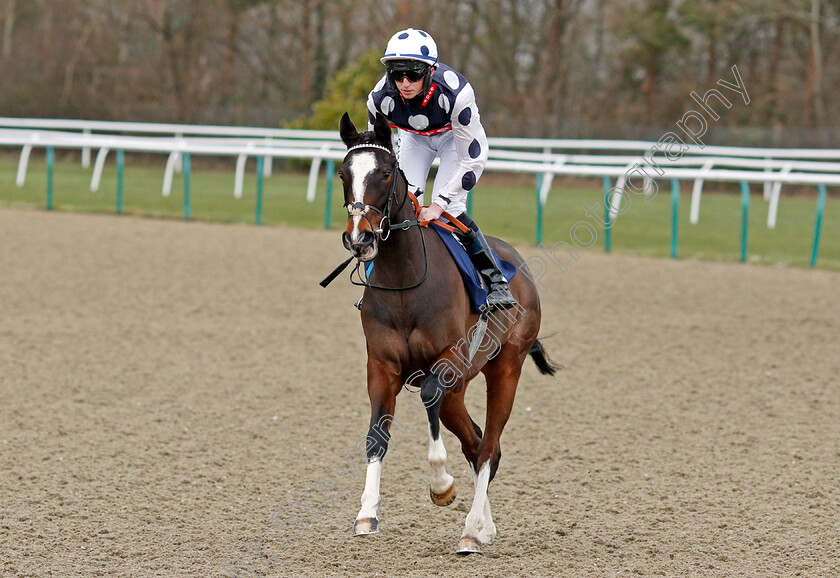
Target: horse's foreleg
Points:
(366, 520)
(441, 484)
(383, 386)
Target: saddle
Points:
(474, 283)
(449, 231)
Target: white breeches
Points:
(416, 154)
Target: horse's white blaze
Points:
(370, 497)
(361, 165)
(354, 236)
(480, 521)
(440, 480)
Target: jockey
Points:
(435, 111)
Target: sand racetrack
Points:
(165, 387)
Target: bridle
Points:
(359, 209)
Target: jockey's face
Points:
(407, 76)
(409, 89)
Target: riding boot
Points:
(499, 296)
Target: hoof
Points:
(445, 498)
(365, 526)
(469, 545)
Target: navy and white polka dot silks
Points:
(442, 122)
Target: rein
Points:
(451, 226)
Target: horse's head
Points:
(369, 175)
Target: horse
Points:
(417, 321)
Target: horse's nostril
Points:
(364, 241)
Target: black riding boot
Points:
(499, 296)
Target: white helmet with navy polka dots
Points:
(411, 44)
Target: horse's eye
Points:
(341, 176)
(386, 176)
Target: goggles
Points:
(411, 70)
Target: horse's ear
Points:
(347, 130)
(382, 130)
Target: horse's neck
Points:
(406, 258)
(402, 258)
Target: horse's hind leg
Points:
(502, 375)
(453, 414)
(441, 484)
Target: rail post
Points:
(185, 167)
(820, 209)
(539, 234)
(120, 168)
(745, 210)
(260, 177)
(675, 215)
(50, 168)
(330, 175)
(607, 185)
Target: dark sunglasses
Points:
(413, 75)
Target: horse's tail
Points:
(540, 357)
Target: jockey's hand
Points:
(431, 212)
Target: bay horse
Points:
(417, 320)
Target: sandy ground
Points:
(166, 387)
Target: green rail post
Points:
(607, 218)
(469, 202)
(539, 211)
(185, 165)
(50, 167)
(330, 170)
(745, 210)
(675, 215)
(120, 167)
(260, 167)
(818, 225)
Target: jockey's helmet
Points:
(413, 52)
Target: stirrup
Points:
(500, 298)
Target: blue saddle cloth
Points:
(473, 282)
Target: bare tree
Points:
(815, 65)
(8, 28)
(539, 67)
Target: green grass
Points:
(503, 206)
